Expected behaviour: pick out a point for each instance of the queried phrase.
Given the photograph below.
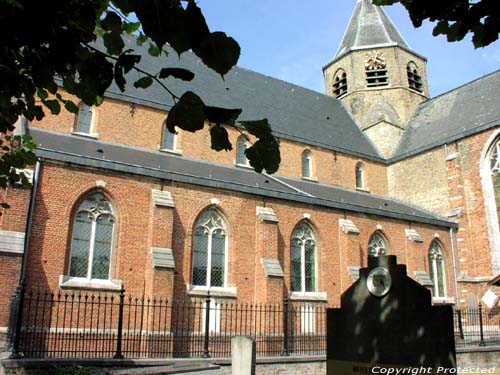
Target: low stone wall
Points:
(479, 357)
(285, 366)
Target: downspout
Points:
(455, 282)
(20, 291)
(29, 221)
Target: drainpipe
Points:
(455, 282)
(29, 220)
(20, 291)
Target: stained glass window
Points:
(92, 239)
(303, 259)
(209, 250)
(436, 262)
(376, 245)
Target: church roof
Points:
(294, 112)
(124, 159)
(457, 114)
(370, 27)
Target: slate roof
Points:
(122, 159)
(459, 113)
(369, 27)
(294, 112)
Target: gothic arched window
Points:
(168, 141)
(92, 239)
(210, 250)
(241, 146)
(436, 263)
(306, 164)
(360, 178)
(303, 259)
(84, 119)
(495, 173)
(414, 79)
(377, 245)
(340, 83)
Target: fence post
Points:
(285, 328)
(118, 354)
(206, 353)
(20, 294)
(460, 326)
(481, 343)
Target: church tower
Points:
(377, 75)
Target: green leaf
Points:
(187, 114)
(71, 107)
(178, 73)
(122, 66)
(141, 39)
(222, 115)
(441, 28)
(113, 42)
(264, 155)
(220, 138)
(112, 22)
(143, 83)
(131, 27)
(42, 94)
(163, 21)
(53, 106)
(259, 128)
(219, 52)
(196, 26)
(126, 6)
(154, 50)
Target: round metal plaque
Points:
(379, 281)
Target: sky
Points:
(293, 39)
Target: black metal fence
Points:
(476, 327)
(70, 324)
(106, 325)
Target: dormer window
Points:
(414, 79)
(83, 123)
(306, 164)
(340, 83)
(376, 70)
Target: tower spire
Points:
(369, 28)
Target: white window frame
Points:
(303, 259)
(242, 140)
(174, 146)
(306, 157)
(91, 133)
(360, 183)
(89, 278)
(436, 261)
(208, 285)
(374, 243)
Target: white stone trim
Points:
(413, 235)
(67, 282)
(266, 214)
(348, 226)
(4, 329)
(85, 135)
(308, 296)
(272, 267)
(162, 198)
(12, 242)
(162, 258)
(490, 202)
(198, 290)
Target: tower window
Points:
(414, 79)
(169, 140)
(340, 83)
(306, 164)
(376, 70)
(84, 119)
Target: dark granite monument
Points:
(386, 320)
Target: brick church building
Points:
(373, 166)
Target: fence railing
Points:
(70, 324)
(106, 325)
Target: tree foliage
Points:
(46, 45)
(456, 18)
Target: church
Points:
(373, 166)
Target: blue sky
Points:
(293, 39)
